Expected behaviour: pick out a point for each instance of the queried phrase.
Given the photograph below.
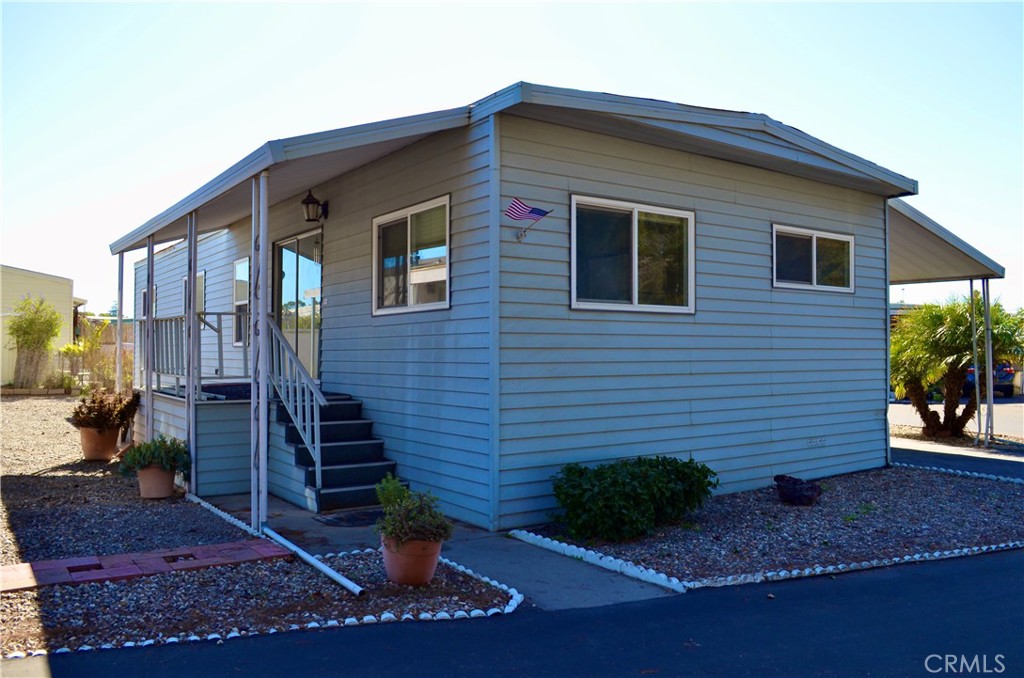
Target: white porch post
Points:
(259, 303)
(118, 348)
(989, 418)
(977, 375)
(191, 347)
(254, 356)
(150, 337)
(264, 339)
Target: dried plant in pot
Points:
(412, 530)
(155, 463)
(100, 418)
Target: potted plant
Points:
(412, 530)
(155, 462)
(100, 417)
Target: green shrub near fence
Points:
(630, 498)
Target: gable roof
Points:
(308, 160)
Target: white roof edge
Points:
(948, 236)
(615, 104)
(292, 148)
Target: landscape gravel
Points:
(56, 506)
(864, 516)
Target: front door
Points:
(299, 266)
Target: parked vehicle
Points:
(1003, 382)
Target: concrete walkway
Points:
(548, 580)
(974, 460)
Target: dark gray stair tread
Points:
(334, 431)
(345, 452)
(350, 475)
(347, 497)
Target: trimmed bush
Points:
(630, 498)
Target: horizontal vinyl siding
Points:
(749, 384)
(422, 376)
(222, 448)
(169, 417)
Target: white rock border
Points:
(651, 576)
(631, 569)
(965, 474)
(515, 599)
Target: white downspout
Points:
(264, 341)
(888, 340)
(150, 337)
(118, 348)
(254, 356)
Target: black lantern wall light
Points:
(312, 209)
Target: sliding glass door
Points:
(299, 266)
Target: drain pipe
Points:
(267, 532)
(335, 576)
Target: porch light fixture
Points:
(312, 209)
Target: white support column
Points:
(118, 343)
(977, 375)
(150, 337)
(191, 346)
(255, 273)
(264, 341)
(990, 381)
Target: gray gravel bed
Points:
(54, 505)
(869, 515)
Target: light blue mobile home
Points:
(704, 282)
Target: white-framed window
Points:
(200, 292)
(410, 258)
(240, 301)
(805, 258)
(631, 257)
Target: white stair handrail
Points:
(300, 394)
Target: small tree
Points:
(933, 344)
(33, 329)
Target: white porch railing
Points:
(299, 393)
(229, 360)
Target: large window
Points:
(806, 258)
(240, 299)
(410, 254)
(631, 257)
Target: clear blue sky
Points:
(113, 112)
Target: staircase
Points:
(352, 459)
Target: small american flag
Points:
(520, 211)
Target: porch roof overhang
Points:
(305, 161)
(921, 250)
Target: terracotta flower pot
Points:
(99, 444)
(155, 482)
(413, 563)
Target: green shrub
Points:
(105, 410)
(169, 454)
(414, 518)
(630, 498)
(391, 492)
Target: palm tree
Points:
(932, 344)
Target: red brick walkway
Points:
(87, 569)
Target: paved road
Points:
(1008, 418)
(885, 622)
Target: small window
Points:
(817, 259)
(200, 292)
(631, 257)
(148, 308)
(411, 259)
(240, 299)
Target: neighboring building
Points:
(18, 283)
(703, 281)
